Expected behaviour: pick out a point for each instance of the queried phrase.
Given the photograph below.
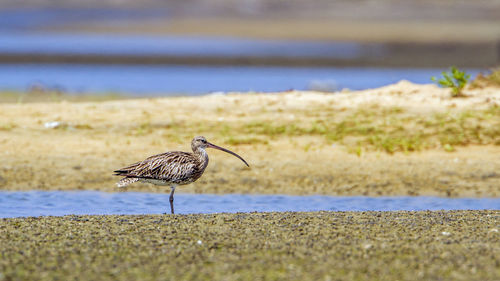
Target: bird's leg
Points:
(172, 199)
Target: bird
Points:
(171, 168)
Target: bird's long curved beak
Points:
(228, 151)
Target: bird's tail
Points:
(126, 181)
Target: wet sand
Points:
(456, 245)
(403, 139)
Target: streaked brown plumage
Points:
(171, 168)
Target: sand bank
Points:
(403, 139)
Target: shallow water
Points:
(58, 203)
(150, 80)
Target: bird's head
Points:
(201, 142)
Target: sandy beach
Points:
(403, 139)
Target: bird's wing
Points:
(170, 166)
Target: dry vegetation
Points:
(491, 79)
(403, 139)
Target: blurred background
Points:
(191, 47)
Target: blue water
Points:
(58, 203)
(147, 80)
(154, 80)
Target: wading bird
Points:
(171, 168)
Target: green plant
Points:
(455, 80)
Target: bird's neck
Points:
(202, 156)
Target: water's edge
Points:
(59, 203)
(142, 80)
